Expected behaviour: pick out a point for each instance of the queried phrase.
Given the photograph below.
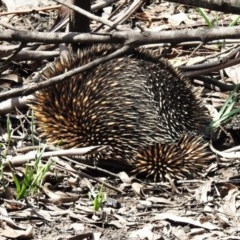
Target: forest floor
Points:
(63, 206)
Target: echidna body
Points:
(184, 159)
(129, 103)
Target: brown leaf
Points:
(13, 233)
(186, 220)
(138, 189)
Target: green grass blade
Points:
(234, 22)
(204, 15)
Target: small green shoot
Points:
(226, 111)
(9, 136)
(32, 127)
(33, 177)
(234, 22)
(205, 17)
(4, 147)
(98, 198)
(210, 23)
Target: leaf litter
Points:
(206, 208)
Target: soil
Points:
(62, 204)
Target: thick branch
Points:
(124, 37)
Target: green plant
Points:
(9, 136)
(234, 21)
(32, 178)
(205, 17)
(210, 23)
(97, 197)
(32, 127)
(227, 111)
(4, 147)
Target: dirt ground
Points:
(131, 208)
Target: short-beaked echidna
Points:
(137, 104)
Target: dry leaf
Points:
(144, 233)
(159, 200)
(59, 197)
(138, 189)
(13, 233)
(233, 73)
(186, 220)
(125, 178)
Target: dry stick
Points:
(101, 5)
(20, 48)
(226, 6)
(8, 26)
(13, 103)
(123, 17)
(214, 66)
(199, 69)
(94, 7)
(31, 88)
(31, 10)
(26, 54)
(18, 160)
(130, 11)
(233, 51)
(85, 13)
(225, 154)
(18, 92)
(233, 149)
(104, 164)
(35, 55)
(132, 37)
(212, 84)
(82, 174)
(111, 16)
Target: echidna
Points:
(137, 104)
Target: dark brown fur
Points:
(129, 103)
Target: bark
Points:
(130, 37)
(226, 6)
(77, 21)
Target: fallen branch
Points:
(125, 37)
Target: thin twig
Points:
(31, 88)
(18, 160)
(85, 13)
(213, 66)
(100, 5)
(130, 11)
(31, 10)
(226, 154)
(85, 175)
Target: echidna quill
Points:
(137, 104)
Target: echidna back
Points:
(127, 103)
